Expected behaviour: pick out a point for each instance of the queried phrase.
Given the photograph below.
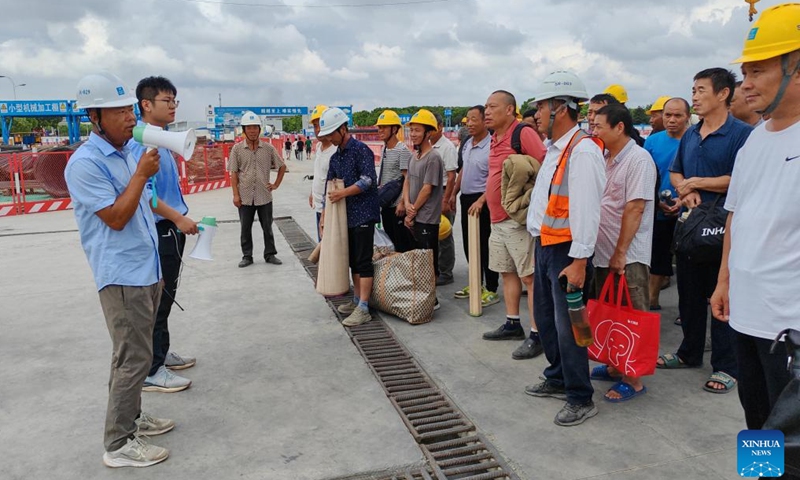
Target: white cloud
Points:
(452, 53)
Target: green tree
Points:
(293, 124)
(640, 116)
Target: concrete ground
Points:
(280, 391)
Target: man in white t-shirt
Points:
(322, 158)
(758, 282)
(449, 154)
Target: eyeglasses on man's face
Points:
(169, 101)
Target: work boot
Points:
(148, 425)
(506, 332)
(273, 260)
(176, 362)
(528, 349)
(136, 453)
(575, 414)
(165, 381)
(246, 262)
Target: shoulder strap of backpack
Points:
(516, 136)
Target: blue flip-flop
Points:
(600, 373)
(626, 391)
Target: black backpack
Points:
(516, 136)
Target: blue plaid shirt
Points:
(355, 164)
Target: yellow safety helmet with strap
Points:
(424, 117)
(776, 33)
(387, 118)
(658, 105)
(618, 92)
(317, 112)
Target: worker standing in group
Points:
(394, 169)
(354, 163)
(322, 159)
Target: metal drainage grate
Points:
(449, 440)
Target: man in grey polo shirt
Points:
(625, 237)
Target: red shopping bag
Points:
(624, 338)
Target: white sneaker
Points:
(135, 453)
(176, 362)
(165, 381)
(147, 425)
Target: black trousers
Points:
(401, 236)
(426, 237)
(170, 250)
(490, 277)
(696, 284)
(247, 213)
(762, 377)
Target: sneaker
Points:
(246, 262)
(165, 381)
(437, 305)
(505, 332)
(150, 426)
(575, 414)
(528, 349)
(136, 453)
(489, 298)
(358, 317)
(347, 308)
(176, 362)
(273, 260)
(544, 389)
(463, 293)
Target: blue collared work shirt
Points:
(98, 173)
(354, 163)
(168, 187)
(713, 156)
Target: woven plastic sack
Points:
(405, 286)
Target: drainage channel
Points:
(453, 447)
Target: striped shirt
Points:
(393, 162)
(253, 169)
(631, 175)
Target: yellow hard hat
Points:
(464, 120)
(776, 32)
(618, 92)
(519, 115)
(445, 228)
(658, 105)
(424, 117)
(317, 112)
(388, 117)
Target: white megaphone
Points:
(181, 143)
(202, 249)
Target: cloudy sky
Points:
(411, 52)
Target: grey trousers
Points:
(447, 252)
(130, 315)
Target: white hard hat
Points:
(330, 120)
(562, 85)
(103, 90)
(250, 118)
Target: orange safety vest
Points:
(555, 224)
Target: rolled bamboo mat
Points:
(334, 261)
